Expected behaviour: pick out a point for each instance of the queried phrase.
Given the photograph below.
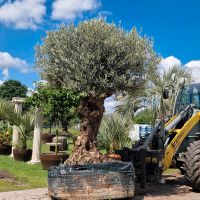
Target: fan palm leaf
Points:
(114, 132)
(25, 122)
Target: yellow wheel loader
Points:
(174, 142)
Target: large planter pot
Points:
(5, 149)
(51, 159)
(22, 154)
(47, 138)
(92, 181)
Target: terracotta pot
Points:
(52, 159)
(47, 138)
(115, 156)
(22, 154)
(5, 149)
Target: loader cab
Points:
(189, 94)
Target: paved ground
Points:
(35, 194)
(174, 189)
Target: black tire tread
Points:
(192, 165)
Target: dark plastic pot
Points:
(22, 154)
(47, 138)
(5, 149)
(51, 159)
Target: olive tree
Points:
(96, 59)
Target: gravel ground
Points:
(175, 188)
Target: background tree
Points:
(97, 59)
(12, 88)
(144, 117)
(59, 105)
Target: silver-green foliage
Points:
(95, 58)
(114, 132)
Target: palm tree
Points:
(130, 103)
(114, 132)
(157, 81)
(25, 122)
(168, 79)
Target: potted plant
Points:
(25, 124)
(26, 127)
(114, 134)
(53, 158)
(5, 138)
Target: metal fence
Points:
(92, 181)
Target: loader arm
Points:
(180, 135)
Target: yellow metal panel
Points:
(174, 117)
(181, 134)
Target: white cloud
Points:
(30, 92)
(69, 10)
(23, 14)
(5, 74)
(169, 62)
(110, 104)
(7, 61)
(1, 82)
(194, 66)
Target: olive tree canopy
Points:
(97, 59)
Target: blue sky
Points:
(173, 24)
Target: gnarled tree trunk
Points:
(85, 151)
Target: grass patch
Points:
(171, 171)
(74, 131)
(26, 176)
(7, 185)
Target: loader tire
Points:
(192, 165)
